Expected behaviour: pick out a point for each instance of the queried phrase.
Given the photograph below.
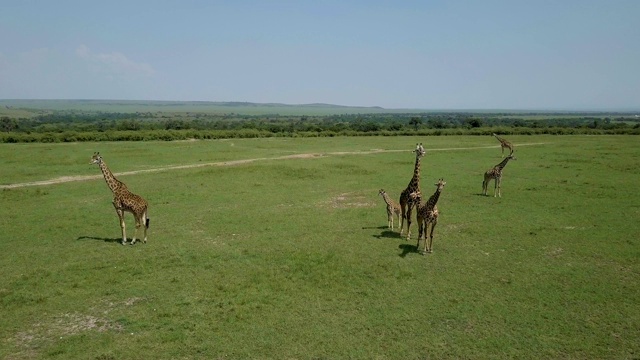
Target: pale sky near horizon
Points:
(491, 54)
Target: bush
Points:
(246, 133)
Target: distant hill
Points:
(17, 108)
(218, 107)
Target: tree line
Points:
(70, 126)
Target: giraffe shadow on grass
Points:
(105, 239)
(388, 234)
(408, 248)
(374, 227)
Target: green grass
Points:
(291, 258)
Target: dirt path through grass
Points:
(65, 179)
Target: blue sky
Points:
(489, 54)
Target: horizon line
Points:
(323, 104)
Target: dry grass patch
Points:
(49, 330)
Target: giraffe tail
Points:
(146, 218)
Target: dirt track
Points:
(65, 179)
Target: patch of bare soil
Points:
(62, 326)
(50, 330)
(348, 200)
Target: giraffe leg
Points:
(485, 185)
(409, 222)
(404, 216)
(425, 248)
(499, 182)
(145, 232)
(122, 226)
(146, 227)
(135, 233)
(495, 187)
(420, 230)
(433, 226)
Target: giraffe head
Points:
(382, 192)
(419, 151)
(96, 158)
(440, 184)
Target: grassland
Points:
(290, 257)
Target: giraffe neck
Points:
(386, 198)
(503, 163)
(434, 199)
(113, 183)
(415, 180)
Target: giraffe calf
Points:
(427, 215)
(392, 208)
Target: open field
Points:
(278, 248)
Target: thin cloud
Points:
(114, 64)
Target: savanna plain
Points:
(279, 248)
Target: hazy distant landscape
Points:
(13, 106)
(105, 120)
(218, 107)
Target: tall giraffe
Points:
(504, 144)
(496, 174)
(124, 200)
(392, 208)
(406, 203)
(428, 214)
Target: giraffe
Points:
(406, 203)
(124, 200)
(392, 208)
(427, 214)
(496, 174)
(504, 144)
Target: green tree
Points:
(415, 121)
(474, 123)
(8, 124)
